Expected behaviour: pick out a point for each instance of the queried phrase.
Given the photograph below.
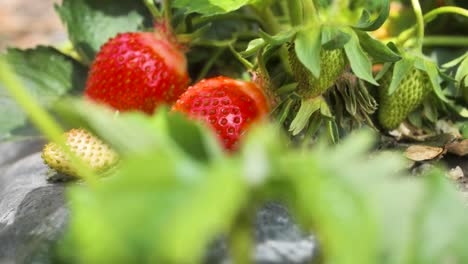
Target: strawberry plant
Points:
(184, 117)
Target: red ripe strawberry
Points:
(228, 106)
(138, 71)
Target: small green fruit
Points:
(332, 65)
(410, 94)
(91, 150)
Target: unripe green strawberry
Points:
(91, 150)
(410, 93)
(332, 65)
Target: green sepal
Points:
(433, 72)
(333, 131)
(430, 111)
(333, 38)
(308, 107)
(325, 110)
(253, 46)
(384, 70)
(358, 59)
(462, 72)
(307, 47)
(278, 39)
(415, 119)
(400, 70)
(376, 49)
(314, 125)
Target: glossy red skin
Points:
(137, 71)
(229, 106)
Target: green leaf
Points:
(400, 70)
(462, 72)
(191, 137)
(278, 39)
(308, 107)
(433, 72)
(307, 47)
(46, 73)
(253, 46)
(367, 24)
(91, 23)
(360, 63)
(318, 185)
(442, 204)
(182, 240)
(384, 70)
(213, 7)
(376, 49)
(333, 38)
(455, 61)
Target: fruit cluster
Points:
(140, 71)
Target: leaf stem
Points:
(445, 10)
(207, 66)
(245, 62)
(295, 12)
(167, 11)
(310, 12)
(420, 24)
(272, 27)
(430, 16)
(452, 41)
(153, 9)
(268, 20)
(41, 119)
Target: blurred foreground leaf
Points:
(46, 73)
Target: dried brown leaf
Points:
(421, 152)
(459, 148)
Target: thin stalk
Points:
(445, 10)
(430, 16)
(167, 11)
(228, 16)
(41, 119)
(449, 41)
(270, 23)
(247, 64)
(152, 8)
(295, 10)
(272, 27)
(419, 24)
(209, 63)
(310, 12)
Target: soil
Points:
(25, 24)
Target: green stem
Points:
(152, 8)
(272, 27)
(420, 24)
(430, 16)
(245, 62)
(209, 63)
(445, 10)
(295, 12)
(167, 11)
(270, 22)
(41, 119)
(224, 17)
(449, 41)
(310, 12)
